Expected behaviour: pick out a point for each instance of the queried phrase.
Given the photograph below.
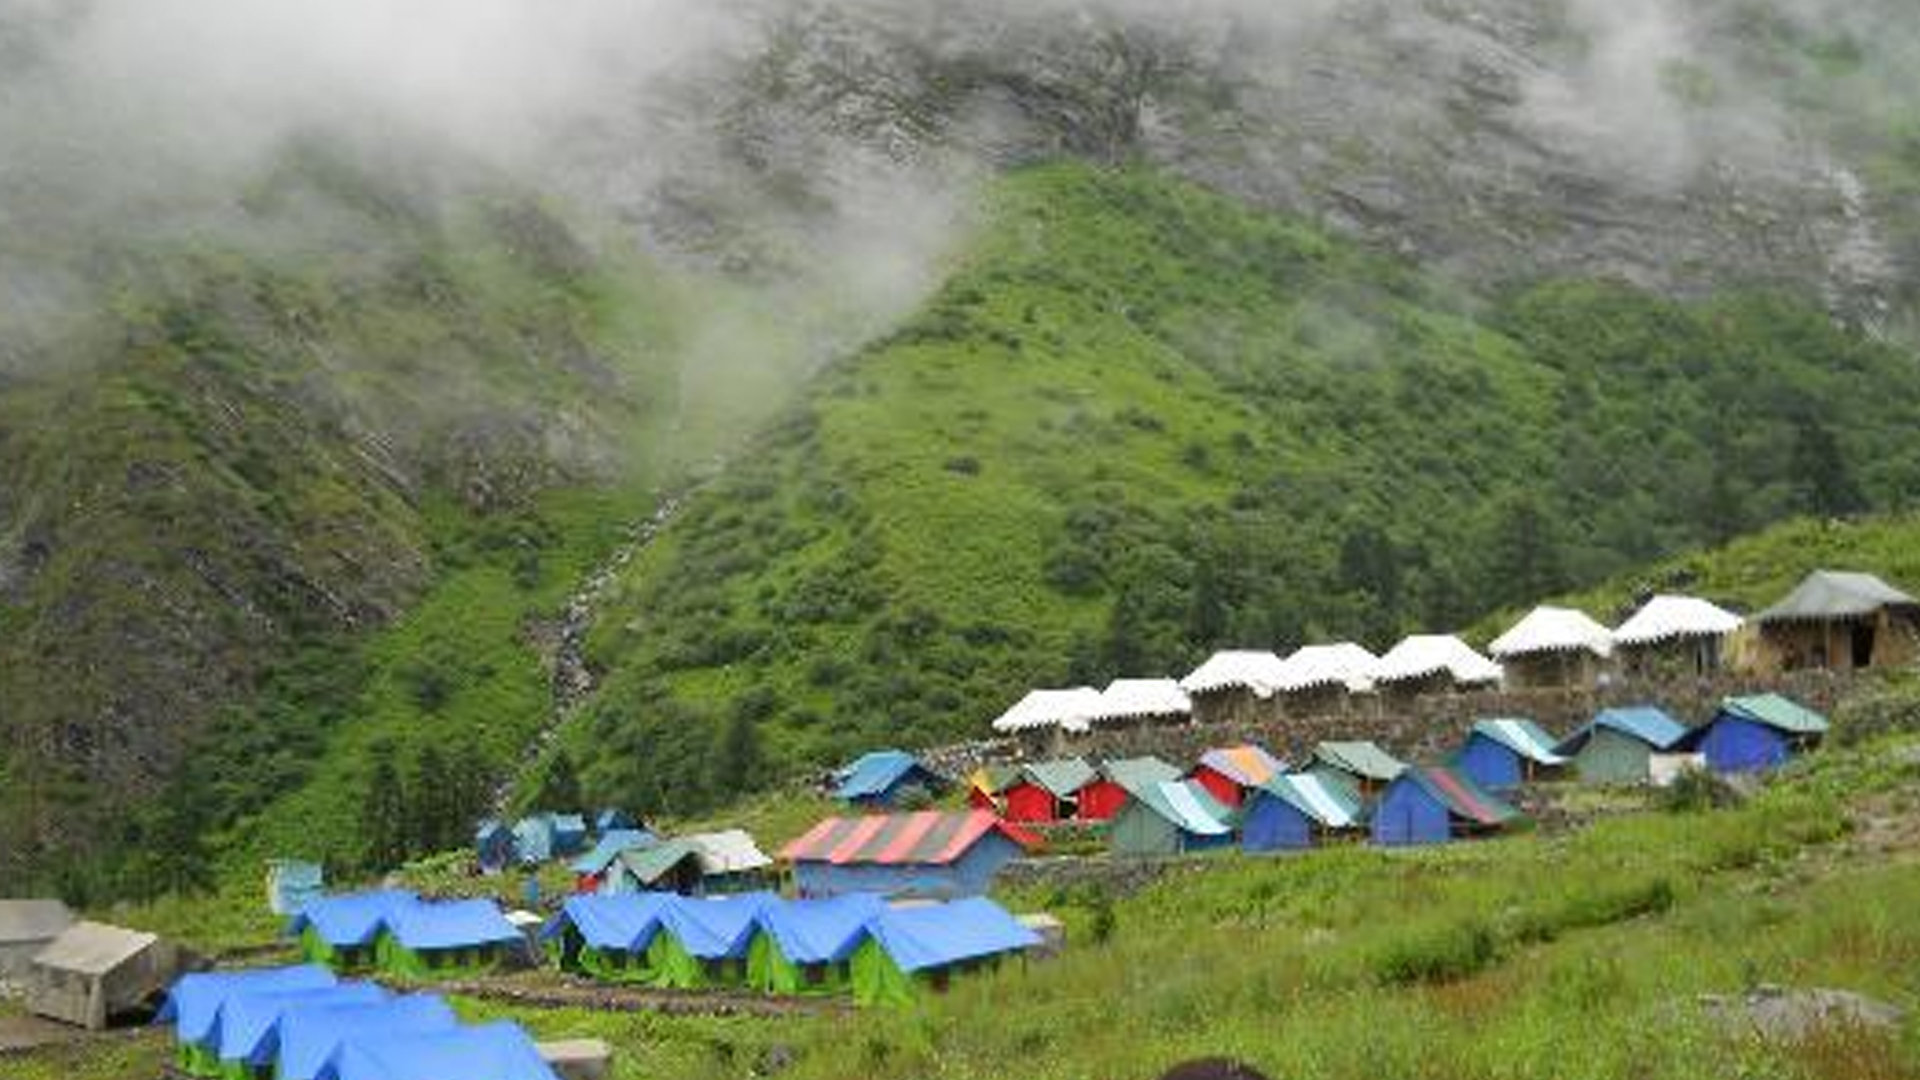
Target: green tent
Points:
(806, 946)
(434, 939)
(771, 971)
(877, 980)
(1168, 819)
(907, 950)
(343, 959)
(393, 958)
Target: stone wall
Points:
(1421, 728)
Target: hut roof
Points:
(1423, 655)
(1343, 664)
(1246, 765)
(33, 920)
(1133, 699)
(1644, 723)
(1236, 669)
(1330, 802)
(872, 774)
(729, 851)
(1461, 796)
(994, 779)
(1523, 737)
(649, 864)
(1364, 759)
(1553, 630)
(938, 935)
(1777, 712)
(1061, 778)
(1068, 709)
(1665, 618)
(930, 837)
(1833, 594)
(1130, 773)
(608, 848)
(1187, 805)
(92, 948)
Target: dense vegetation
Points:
(1142, 421)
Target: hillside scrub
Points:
(1185, 424)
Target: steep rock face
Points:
(1506, 139)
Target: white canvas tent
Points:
(1067, 709)
(1426, 656)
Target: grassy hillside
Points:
(1141, 421)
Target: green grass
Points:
(1142, 421)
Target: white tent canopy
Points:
(1236, 669)
(1665, 618)
(1068, 709)
(1344, 663)
(1553, 630)
(1133, 699)
(1423, 655)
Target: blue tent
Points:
(498, 1051)
(291, 884)
(311, 1035)
(1424, 804)
(717, 927)
(249, 1022)
(335, 925)
(610, 820)
(451, 924)
(493, 845)
(611, 844)
(1507, 753)
(193, 1004)
(533, 839)
(882, 777)
(821, 931)
(939, 935)
(621, 921)
(1288, 812)
(1754, 734)
(569, 834)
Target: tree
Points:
(1208, 612)
(559, 785)
(736, 754)
(383, 824)
(1523, 553)
(433, 814)
(1127, 641)
(1819, 471)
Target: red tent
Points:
(1100, 800)
(1102, 797)
(1030, 802)
(1230, 773)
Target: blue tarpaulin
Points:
(493, 845)
(499, 1051)
(919, 939)
(352, 920)
(716, 928)
(194, 1002)
(820, 931)
(452, 924)
(623, 921)
(311, 1035)
(876, 777)
(609, 848)
(569, 834)
(249, 1023)
(613, 820)
(1645, 723)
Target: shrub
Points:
(1436, 953)
(1695, 790)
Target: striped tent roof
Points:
(1328, 801)
(1461, 796)
(1247, 765)
(1523, 737)
(930, 837)
(1187, 805)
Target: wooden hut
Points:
(1836, 621)
(93, 974)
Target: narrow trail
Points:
(572, 681)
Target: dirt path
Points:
(601, 997)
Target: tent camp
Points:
(1295, 811)
(1048, 791)
(612, 938)
(1170, 818)
(1553, 647)
(93, 973)
(1234, 684)
(987, 787)
(1839, 621)
(193, 1006)
(1424, 662)
(493, 846)
(26, 927)
(1050, 711)
(590, 870)
(707, 939)
(340, 931)
(432, 938)
(927, 854)
(1508, 753)
(885, 778)
(1362, 764)
(1617, 746)
(1754, 734)
(246, 1038)
(1432, 804)
(1102, 798)
(291, 883)
(1674, 636)
(496, 1051)
(807, 946)
(1317, 678)
(911, 949)
(1126, 701)
(310, 1035)
(1228, 773)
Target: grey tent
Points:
(93, 973)
(26, 927)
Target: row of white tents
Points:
(1347, 667)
